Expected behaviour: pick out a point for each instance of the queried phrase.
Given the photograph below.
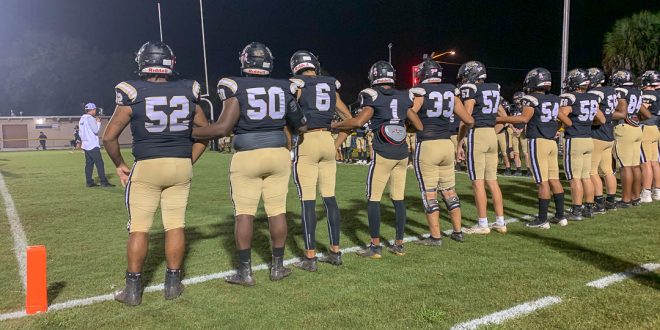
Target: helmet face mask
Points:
(256, 59)
(302, 61)
(382, 73)
(429, 71)
(154, 59)
(538, 79)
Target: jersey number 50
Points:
(266, 103)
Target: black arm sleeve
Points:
(295, 118)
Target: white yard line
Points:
(507, 314)
(17, 232)
(618, 277)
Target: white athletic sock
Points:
(500, 221)
(483, 222)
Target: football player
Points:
(161, 112)
(539, 113)
(257, 108)
(628, 136)
(578, 111)
(436, 104)
(411, 139)
(361, 144)
(603, 139)
(482, 101)
(518, 139)
(504, 139)
(314, 154)
(649, 81)
(387, 108)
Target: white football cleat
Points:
(645, 197)
(476, 229)
(656, 194)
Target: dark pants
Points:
(43, 144)
(93, 157)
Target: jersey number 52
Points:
(160, 121)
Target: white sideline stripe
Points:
(17, 232)
(618, 277)
(507, 314)
(187, 281)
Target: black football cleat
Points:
(107, 185)
(507, 172)
(277, 269)
(243, 275)
(173, 286)
(587, 212)
(457, 236)
(92, 185)
(131, 295)
(575, 214)
(610, 206)
(397, 249)
(599, 208)
(331, 258)
(636, 202)
(538, 223)
(308, 264)
(430, 241)
(371, 251)
(623, 205)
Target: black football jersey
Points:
(584, 107)
(263, 102)
(162, 116)
(516, 110)
(543, 123)
(487, 101)
(437, 112)
(318, 99)
(633, 97)
(390, 108)
(651, 98)
(608, 101)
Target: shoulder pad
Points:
(337, 84)
(229, 83)
(531, 99)
(470, 86)
(568, 96)
(598, 93)
(293, 88)
(298, 82)
(127, 89)
(371, 92)
(649, 98)
(498, 87)
(196, 89)
(623, 91)
(457, 91)
(418, 91)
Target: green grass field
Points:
(84, 232)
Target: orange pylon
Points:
(36, 296)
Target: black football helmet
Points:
(471, 72)
(575, 79)
(429, 71)
(538, 79)
(155, 58)
(256, 59)
(596, 77)
(304, 60)
(649, 78)
(621, 78)
(382, 73)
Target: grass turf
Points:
(84, 232)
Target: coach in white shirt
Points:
(89, 134)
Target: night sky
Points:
(348, 36)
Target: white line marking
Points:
(618, 277)
(17, 232)
(507, 314)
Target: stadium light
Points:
(450, 52)
(414, 75)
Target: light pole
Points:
(160, 23)
(389, 51)
(564, 40)
(434, 55)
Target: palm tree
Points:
(633, 43)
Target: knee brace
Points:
(452, 202)
(430, 204)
